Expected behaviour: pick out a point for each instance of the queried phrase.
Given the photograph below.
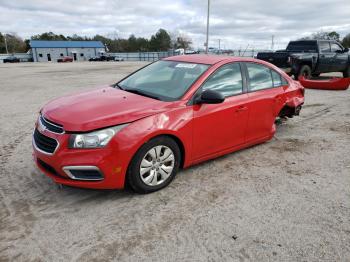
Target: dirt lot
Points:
(285, 200)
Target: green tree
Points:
(27, 43)
(76, 37)
(2, 44)
(160, 41)
(15, 44)
(346, 41)
(142, 44)
(183, 42)
(48, 36)
(334, 36)
(132, 44)
(324, 36)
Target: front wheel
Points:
(154, 165)
(346, 73)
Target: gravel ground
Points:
(284, 200)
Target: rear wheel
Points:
(305, 71)
(154, 165)
(346, 73)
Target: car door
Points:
(217, 127)
(340, 58)
(325, 57)
(265, 100)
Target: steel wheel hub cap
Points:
(157, 165)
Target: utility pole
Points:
(7, 51)
(219, 46)
(207, 41)
(272, 42)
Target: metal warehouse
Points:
(46, 51)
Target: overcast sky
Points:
(236, 23)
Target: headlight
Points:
(94, 139)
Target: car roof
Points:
(207, 59)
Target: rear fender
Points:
(294, 102)
(298, 60)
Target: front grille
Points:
(51, 126)
(44, 143)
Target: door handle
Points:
(241, 109)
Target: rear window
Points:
(325, 47)
(277, 79)
(259, 77)
(305, 46)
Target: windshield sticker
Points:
(187, 65)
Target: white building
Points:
(46, 51)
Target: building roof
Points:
(65, 44)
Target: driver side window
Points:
(335, 48)
(227, 80)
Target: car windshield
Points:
(163, 80)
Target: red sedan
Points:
(65, 59)
(169, 115)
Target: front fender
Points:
(176, 123)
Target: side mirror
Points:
(210, 97)
(346, 50)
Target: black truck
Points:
(310, 58)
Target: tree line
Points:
(160, 41)
(329, 36)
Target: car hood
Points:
(102, 107)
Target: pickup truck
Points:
(310, 58)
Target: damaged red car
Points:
(166, 116)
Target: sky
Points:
(236, 23)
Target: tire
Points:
(147, 172)
(346, 73)
(305, 71)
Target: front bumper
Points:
(109, 161)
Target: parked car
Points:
(11, 59)
(65, 59)
(310, 58)
(102, 58)
(171, 114)
(191, 52)
(118, 58)
(94, 58)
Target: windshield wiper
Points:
(139, 92)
